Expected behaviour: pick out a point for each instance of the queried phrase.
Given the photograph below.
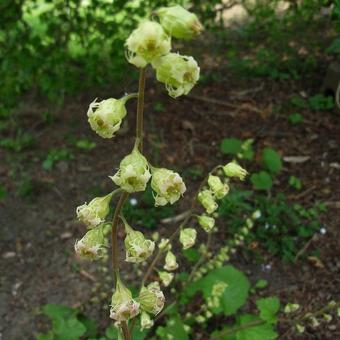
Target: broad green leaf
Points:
(261, 284)
(174, 329)
(231, 146)
(70, 329)
(268, 308)
(46, 336)
(191, 254)
(235, 294)
(58, 311)
(259, 332)
(261, 180)
(111, 332)
(271, 160)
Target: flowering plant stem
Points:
(124, 195)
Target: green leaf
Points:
(69, 329)
(231, 146)
(268, 308)
(2, 192)
(174, 329)
(46, 336)
(255, 329)
(272, 160)
(261, 284)
(54, 311)
(261, 180)
(235, 294)
(111, 332)
(191, 254)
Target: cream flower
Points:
(91, 246)
(123, 306)
(178, 73)
(133, 173)
(94, 213)
(168, 186)
(151, 299)
(105, 117)
(145, 321)
(147, 42)
(138, 249)
(166, 278)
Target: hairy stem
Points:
(125, 330)
(140, 108)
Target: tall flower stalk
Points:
(149, 45)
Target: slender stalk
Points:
(124, 196)
(125, 330)
(140, 108)
(114, 233)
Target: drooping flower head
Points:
(164, 244)
(168, 186)
(170, 261)
(206, 222)
(105, 117)
(133, 173)
(151, 299)
(123, 306)
(178, 73)
(147, 42)
(232, 169)
(94, 213)
(187, 237)
(137, 247)
(217, 187)
(166, 278)
(206, 198)
(92, 245)
(179, 22)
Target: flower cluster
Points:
(150, 43)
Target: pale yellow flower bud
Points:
(92, 245)
(168, 186)
(179, 22)
(133, 173)
(206, 222)
(145, 321)
(170, 261)
(178, 73)
(105, 117)
(164, 244)
(138, 249)
(166, 278)
(232, 169)
(206, 198)
(187, 237)
(291, 308)
(123, 306)
(94, 213)
(217, 187)
(151, 299)
(147, 42)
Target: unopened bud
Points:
(166, 278)
(232, 169)
(170, 261)
(217, 187)
(206, 222)
(187, 237)
(145, 321)
(179, 22)
(206, 198)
